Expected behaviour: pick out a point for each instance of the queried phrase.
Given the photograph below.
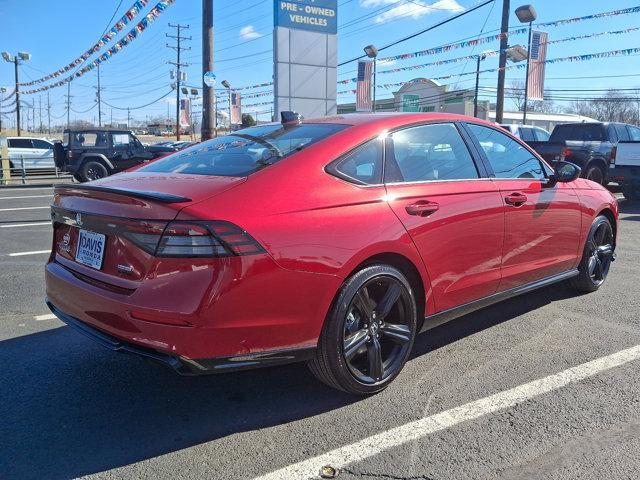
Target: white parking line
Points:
(21, 225)
(376, 444)
(24, 208)
(36, 252)
(25, 196)
(41, 318)
(26, 190)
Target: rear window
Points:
(243, 152)
(581, 132)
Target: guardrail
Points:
(23, 175)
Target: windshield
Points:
(243, 152)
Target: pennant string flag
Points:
(140, 27)
(106, 38)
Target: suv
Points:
(30, 153)
(93, 153)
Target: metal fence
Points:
(22, 175)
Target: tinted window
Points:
(634, 133)
(428, 152)
(526, 134)
(363, 164)
(42, 144)
(20, 143)
(245, 151)
(585, 132)
(508, 158)
(541, 135)
(621, 130)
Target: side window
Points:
(507, 158)
(364, 164)
(20, 143)
(541, 135)
(428, 152)
(634, 133)
(120, 139)
(613, 135)
(41, 144)
(526, 134)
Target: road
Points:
(544, 386)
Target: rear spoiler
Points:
(157, 196)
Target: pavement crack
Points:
(386, 475)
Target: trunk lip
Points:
(161, 197)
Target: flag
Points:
(236, 108)
(185, 112)
(537, 58)
(363, 88)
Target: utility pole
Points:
(15, 61)
(128, 117)
(48, 113)
(502, 62)
(68, 95)
(40, 112)
(209, 106)
(99, 100)
(178, 48)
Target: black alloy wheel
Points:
(369, 333)
(597, 257)
(93, 170)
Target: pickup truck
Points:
(626, 170)
(591, 146)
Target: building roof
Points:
(546, 117)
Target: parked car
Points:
(33, 153)
(626, 169)
(591, 146)
(331, 241)
(93, 153)
(527, 133)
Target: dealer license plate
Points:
(90, 250)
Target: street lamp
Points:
(480, 57)
(227, 85)
(372, 52)
(22, 56)
(526, 14)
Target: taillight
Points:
(614, 152)
(191, 239)
(69, 155)
(566, 152)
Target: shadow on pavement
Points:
(629, 210)
(71, 408)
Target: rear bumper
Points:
(182, 365)
(629, 175)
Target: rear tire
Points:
(93, 170)
(369, 332)
(596, 258)
(595, 174)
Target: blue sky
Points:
(57, 32)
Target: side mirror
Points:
(564, 172)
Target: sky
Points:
(55, 33)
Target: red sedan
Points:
(332, 241)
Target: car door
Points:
(43, 154)
(22, 153)
(452, 212)
(542, 225)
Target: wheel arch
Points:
(608, 213)
(87, 157)
(600, 162)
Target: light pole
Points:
(227, 85)
(372, 52)
(22, 56)
(526, 14)
(475, 98)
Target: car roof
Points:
(97, 129)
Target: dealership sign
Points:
(313, 15)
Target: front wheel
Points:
(597, 256)
(369, 332)
(93, 170)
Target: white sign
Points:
(209, 79)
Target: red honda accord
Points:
(332, 241)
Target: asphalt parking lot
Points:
(470, 403)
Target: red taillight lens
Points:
(566, 152)
(614, 152)
(191, 239)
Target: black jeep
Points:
(94, 153)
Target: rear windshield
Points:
(243, 152)
(582, 132)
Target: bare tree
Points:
(613, 106)
(516, 90)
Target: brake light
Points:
(191, 239)
(614, 152)
(69, 155)
(566, 152)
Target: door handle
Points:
(422, 208)
(515, 199)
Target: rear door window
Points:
(20, 143)
(622, 133)
(244, 152)
(41, 144)
(634, 133)
(428, 153)
(541, 135)
(526, 134)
